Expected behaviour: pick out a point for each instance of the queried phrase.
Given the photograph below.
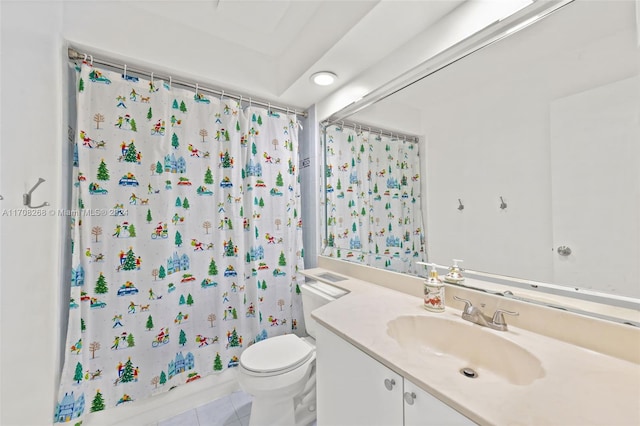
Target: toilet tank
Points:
(314, 295)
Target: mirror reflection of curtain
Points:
(187, 242)
(373, 200)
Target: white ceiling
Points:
(270, 48)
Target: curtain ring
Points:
(85, 58)
(125, 71)
(196, 89)
(221, 96)
(152, 78)
(91, 56)
(170, 82)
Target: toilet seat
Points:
(276, 355)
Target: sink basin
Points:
(462, 345)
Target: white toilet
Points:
(279, 372)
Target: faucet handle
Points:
(467, 303)
(498, 318)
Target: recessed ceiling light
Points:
(324, 78)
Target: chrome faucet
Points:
(475, 315)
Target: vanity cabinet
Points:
(421, 408)
(355, 389)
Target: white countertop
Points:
(579, 387)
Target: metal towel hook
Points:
(461, 206)
(503, 205)
(26, 198)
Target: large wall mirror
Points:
(530, 151)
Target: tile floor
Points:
(230, 410)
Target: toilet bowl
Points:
(279, 372)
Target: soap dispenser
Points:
(433, 291)
(454, 276)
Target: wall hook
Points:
(461, 206)
(26, 198)
(503, 205)
(1, 197)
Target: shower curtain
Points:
(373, 200)
(186, 238)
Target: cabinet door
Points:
(421, 409)
(353, 388)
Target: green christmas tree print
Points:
(159, 168)
(189, 299)
(178, 202)
(130, 341)
(101, 285)
(98, 402)
(254, 148)
(149, 218)
(127, 373)
(83, 326)
(129, 261)
(182, 300)
(149, 325)
(175, 104)
(230, 249)
(183, 107)
(282, 261)
(226, 160)
(78, 374)
(163, 378)
(149, 114)
(182, 340)
(162, 273)
(208, 177)
(81, 85)
(217, 363)
(264, 285)
(131, 155)
(103, 172)
(174, 141)
(279, 181)
(259, 120)
(213, 269)
(185, 204)
(234, 342)
(132, 230)
(178, 239)
(133, 125)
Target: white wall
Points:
(32, 135)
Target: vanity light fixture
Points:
(323, 78)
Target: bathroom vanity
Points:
(382, 359)
(362, 391)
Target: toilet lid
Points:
(276, 354)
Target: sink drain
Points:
(469, 372)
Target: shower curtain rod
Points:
(76, 55)
(374, 130)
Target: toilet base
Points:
(272, 411)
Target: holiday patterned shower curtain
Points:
(186, 238)
(373, 199)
